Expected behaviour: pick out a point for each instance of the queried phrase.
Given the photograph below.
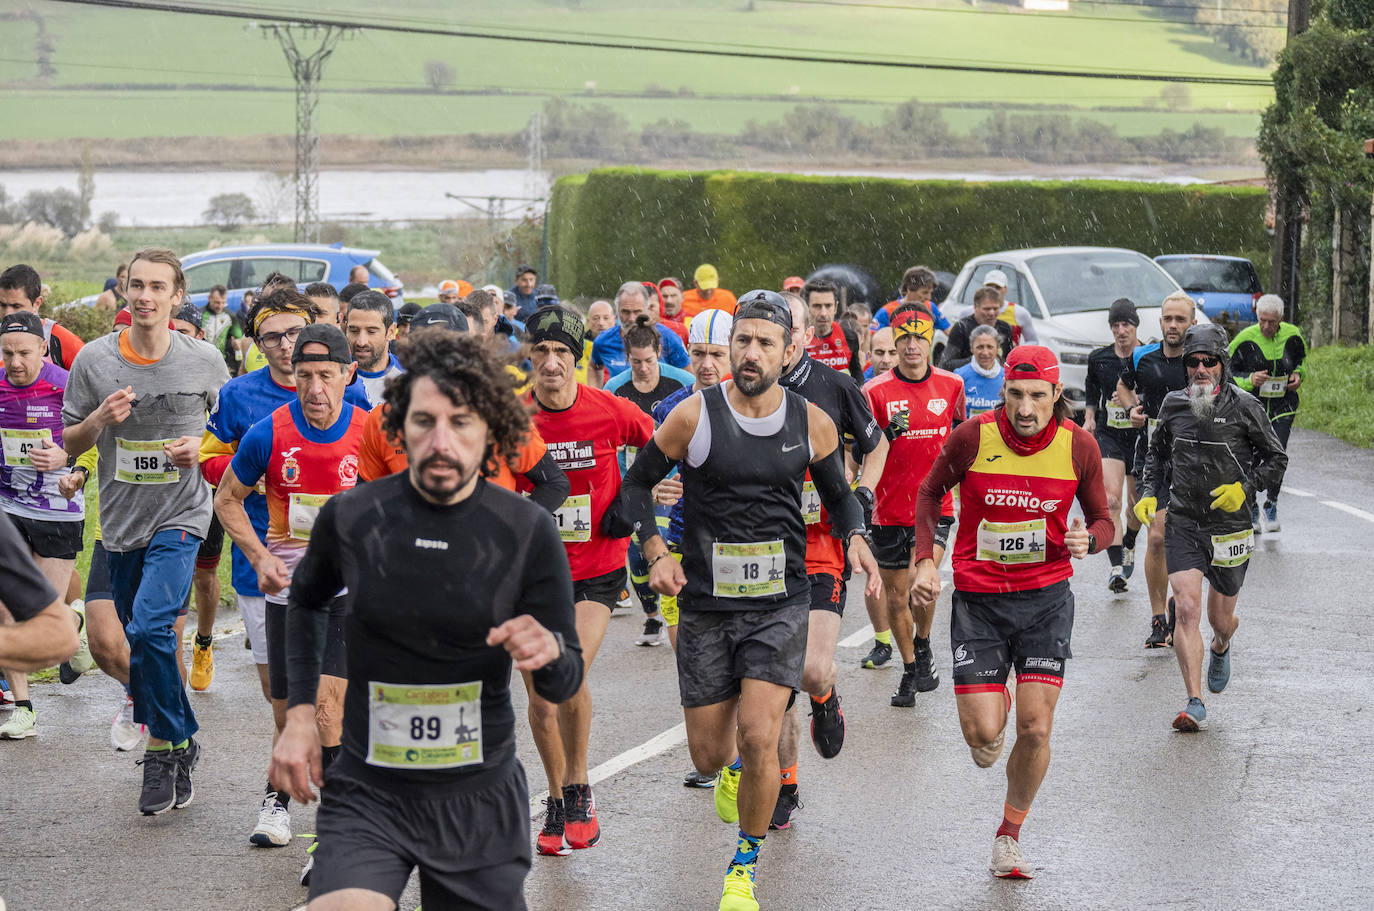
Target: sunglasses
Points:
(1206, 360)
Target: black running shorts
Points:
(53, 540)
(1118, 444)
(605, 589)
(1189, 546)
(472, 849)
(718, 649)
(892, 543)
(98, 585)
(827, 592)
(989, 633)
(335, 652)
(212, 547)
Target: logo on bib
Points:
(937, 406)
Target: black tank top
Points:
(744, 541)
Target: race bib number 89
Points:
(419, 726)
(1012, 542)
(748, 570)
(144, 462)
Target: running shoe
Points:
(274, 824)
(1159, 632)
(309, 859)
(1007, 860)
(580, 827)
(727, 795)
(1255, 520)
(905, 697)
(927, 678)
(878, 657)
(70, 671)
(125, 733)
(159, 782)
(1127, 561)
(738, 894)
(1271, 516)
(1116, 582)
(1219, 669)
(1193, 717)
(984, 757)
(655, 632)
(202, 663)
(623, 605)
(187, 757)
(22, 724)
(788, 801)
(551, 842)
(827, 725)
(695, 779)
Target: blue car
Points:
(1225, 287)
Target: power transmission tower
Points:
(307, 66)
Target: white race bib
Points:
(1276, 387)
(1232, 549)
(1150, 426)
(143, 462)
(17, 444)
(302, 511)
(423, 726)
(748, 570)
(1012, 542)
(574, 518)
(630, 453)
(811, 503)
(1118, 418)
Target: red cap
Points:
(671, 281)
(793, 283)
(1032, 362)
(124, 318)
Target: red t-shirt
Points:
(932, 406)
(832, 351)
(1014, 501)
(379, 456)
(583, 440)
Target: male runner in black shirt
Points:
(450, 580)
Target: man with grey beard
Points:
(1211, 451)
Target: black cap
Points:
(508, 297)
(189, 313)
(347, 292)
(22, 321)
(1123, 311)
(556, 324)
(545, 292)
(764, 304)
(440, 316)
(1206, 338)
(323, 334)
(523, 268)
(407, 312)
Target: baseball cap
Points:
(996, 277)
(545, 292)
(493, 289)
(1032, 362)
(189, 313)
(793, 283)
(523, 268)
(22, 321)
(448, 286)
(708, 279)
(407, 313)
(442, 316)
(911, 320)
(710, 327)
(763, 304)
(322, 334)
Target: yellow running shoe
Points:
(727, 795)
(202, 663)
(738, 894)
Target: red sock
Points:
(789, 775)
(1011, 821)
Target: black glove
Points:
(613, 524)
(866, 501)
(897, 425)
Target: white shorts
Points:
(254, 611)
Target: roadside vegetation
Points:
(1338, 396)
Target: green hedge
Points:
(618, 223)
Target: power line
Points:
(245, 13)
(1050, 16)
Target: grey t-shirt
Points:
(140, 492)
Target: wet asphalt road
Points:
(1267, 809)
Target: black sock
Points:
(204, 641)
(23, 704)
(1114, 554)
(283, 798)
(918, 639)
(1128, 539)
(330, 754)
(910, 668)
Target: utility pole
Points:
(1369, 315)
(307, 66)
(1287, 247)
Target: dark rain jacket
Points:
(1281, 356)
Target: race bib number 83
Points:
(419, 726)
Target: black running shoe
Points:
(1116, 582)
(827, 725)
(159, 781)
(879, 656)
(695, 779)
(186, 764)
(788, 801)
(905, 697)
(927, 678)
(1159, 633)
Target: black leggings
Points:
(1282, 427)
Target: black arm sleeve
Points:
(846, 515)
(316, 581)
(551, 485)
(856, 363)
(547, 596)
(636, 491)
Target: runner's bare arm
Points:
(116, 407)
(43, 640)
(229, 497)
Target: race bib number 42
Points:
(748, 570)
(18, 443)
(574, 518)
(1012, 542)
(419, 726)
(144, 462)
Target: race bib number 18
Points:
(419, 726)
(143, 462)
(748, 570)
(19, 442)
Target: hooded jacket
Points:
(1280, 356)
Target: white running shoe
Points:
(20, 726)
(125, 733)
(274, 824)
(1007, 860)
(655, 632)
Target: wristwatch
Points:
(1092, 542)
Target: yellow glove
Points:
(1229, 497)
(1145, 510)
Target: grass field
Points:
(1338, 395)
(110, 47)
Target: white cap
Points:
(710, 327)
(494, 289)
(996, 277)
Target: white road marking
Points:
(616, 764)
(1360, 513)
(1297, 492)
(859, 638)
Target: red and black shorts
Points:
(991, 632)
(827, 592)
(212, 547)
